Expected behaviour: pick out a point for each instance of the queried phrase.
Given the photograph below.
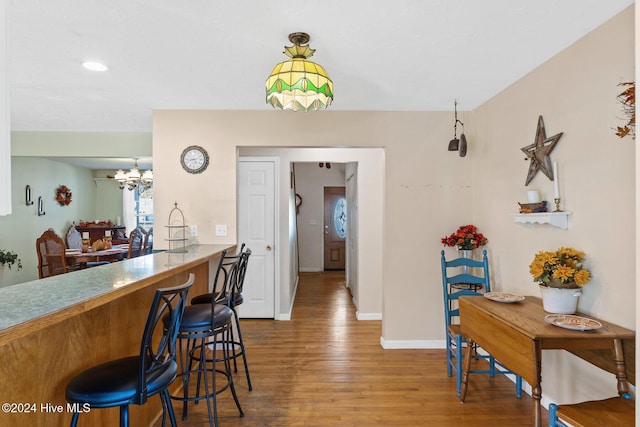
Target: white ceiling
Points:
(405, 55)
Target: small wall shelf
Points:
(557, 219)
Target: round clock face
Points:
(194, 159)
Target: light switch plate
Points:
(221, 229)
(194, 230)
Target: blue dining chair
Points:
(458, 279)
(132, 380)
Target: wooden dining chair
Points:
(74, 241)
(50, 250)
(617, 411)
(148, 242)
(136, 243)
(74, 238)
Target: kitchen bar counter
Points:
(53, 328)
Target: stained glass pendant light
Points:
(298, 84)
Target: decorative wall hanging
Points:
(27, 195)
(538, 152)
(459, 145)
(41, 206)
(628, 100)
(298, 202)
(298, 84)
(63, 195)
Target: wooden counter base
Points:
(35, 367)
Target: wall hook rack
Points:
(27, 195)
(41, 206)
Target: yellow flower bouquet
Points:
(560, 269)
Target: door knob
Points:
(268, 247)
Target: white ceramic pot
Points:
(560, 300)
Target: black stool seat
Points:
(115, 383)
(132, 380)
(197, 319)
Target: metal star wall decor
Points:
(538, 152)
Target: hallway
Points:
(325, 368)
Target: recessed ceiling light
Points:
(94, 66)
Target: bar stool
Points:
(230, 294)
(131, 380)
(203, 326)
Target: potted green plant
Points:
(9, 258)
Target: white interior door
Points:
(256, 228)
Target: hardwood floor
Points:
(324, 368)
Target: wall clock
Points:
(194, 159)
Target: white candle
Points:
(533, 196)
(85, 235)
(556, 190)
(107, 233)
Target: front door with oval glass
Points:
(335, 222)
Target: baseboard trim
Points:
(412, 344)
(287, 316)
(368, 316)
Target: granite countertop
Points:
(26, 301)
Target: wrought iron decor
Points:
(538, 152)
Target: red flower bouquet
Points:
(465, 238)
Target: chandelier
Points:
(134, 179)
(298, 84)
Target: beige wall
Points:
(428, 191)
(575, 92)
(420, 199)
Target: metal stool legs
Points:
(239, 349)
(194, 361)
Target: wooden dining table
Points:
(116, 253)
(516, 333)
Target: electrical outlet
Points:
(194, 230)
(221, 229)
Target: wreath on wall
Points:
(63, 195)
